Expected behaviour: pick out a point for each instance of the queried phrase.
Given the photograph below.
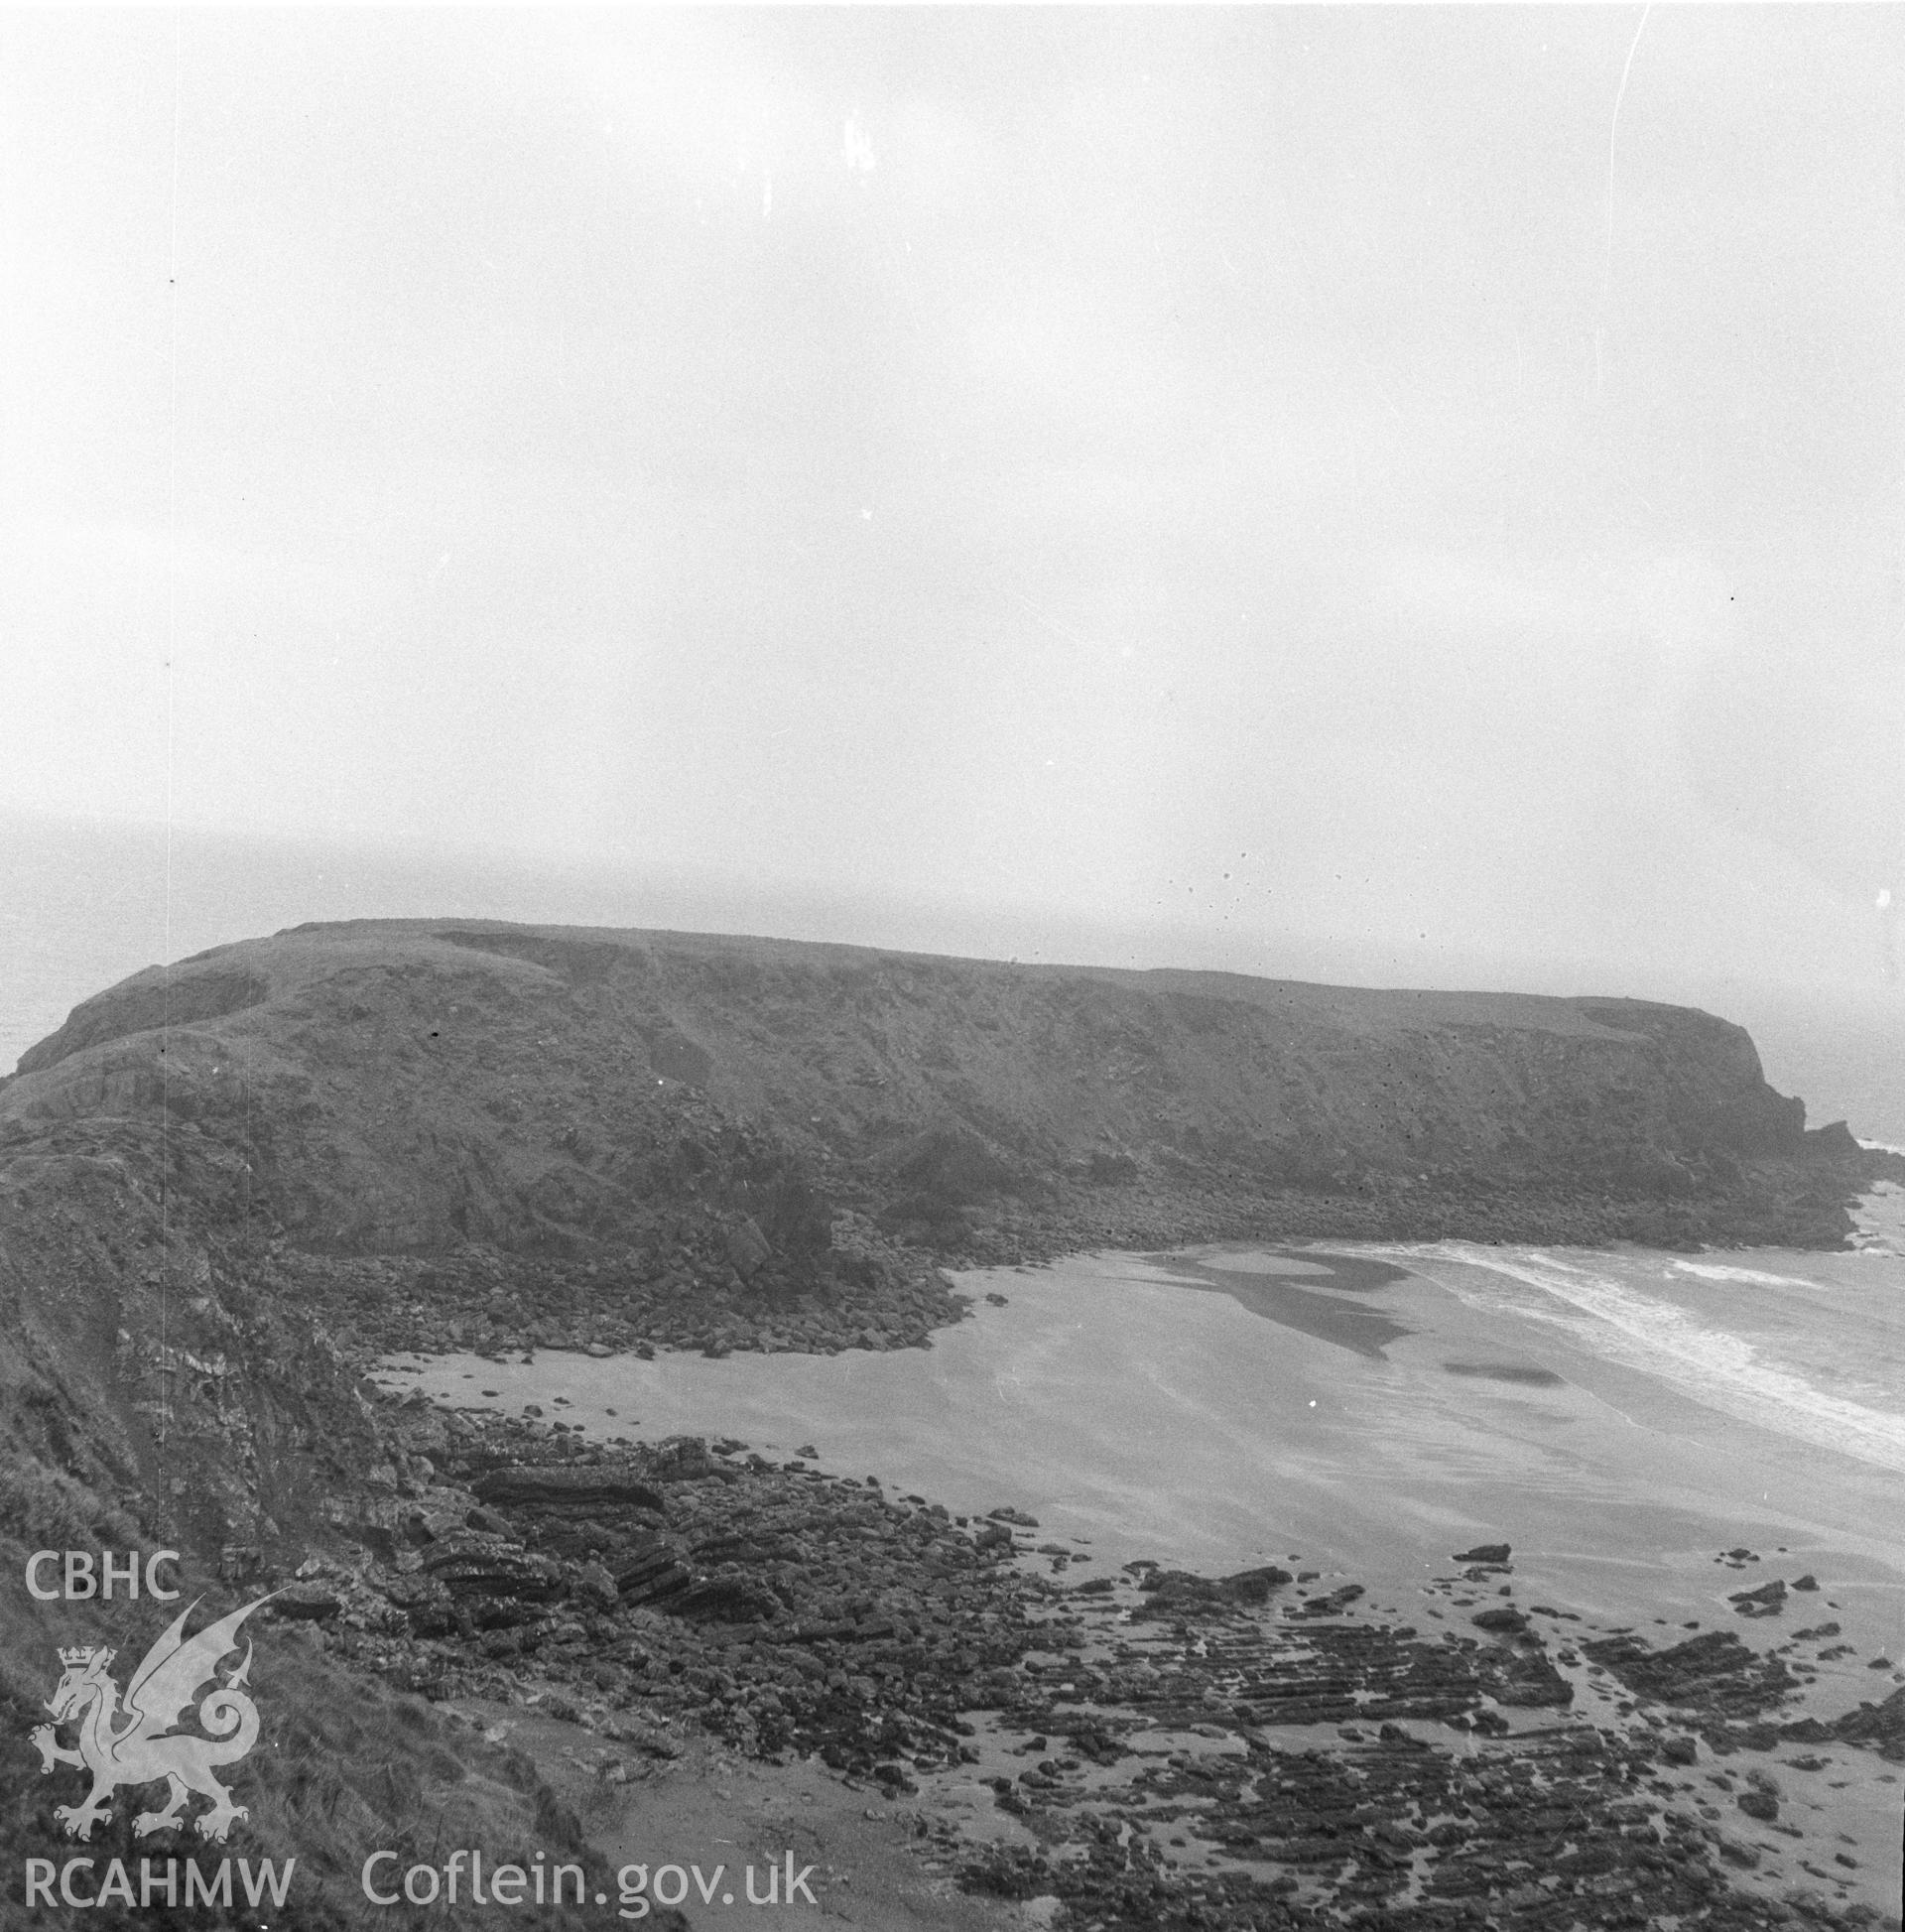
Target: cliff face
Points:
(224, 1189)
(401, 1088)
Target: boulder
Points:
(1183, 1589)
(1502, 1621)
(648, 1572)
(568, 1486)
(598, 1584)
(725, 1599)
(471, 1565)
(680, 1459)
(1332, 1604)
(307, 1603)
(748, 1249)
(1767, 1601)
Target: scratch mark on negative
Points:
(1613, 130)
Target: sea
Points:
(1650, 1431)
(83, 905)
(1212, 1405)
(1621, 1417)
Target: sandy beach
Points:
(1366, 1414)
(1236, 1406)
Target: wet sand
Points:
(1261, 1280)
(1233, 1408)
(1126, 1403)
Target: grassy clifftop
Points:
(224, 1187)
(400, 1086)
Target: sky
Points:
(1392, 485)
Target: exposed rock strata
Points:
(1175, 1751)
(222, 1190)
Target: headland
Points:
(228, 1188)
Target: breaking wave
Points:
(1621, 1322)
(1714, 1271)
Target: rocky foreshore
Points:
(1154, 1749)
(685, 1293)
(227, 1189)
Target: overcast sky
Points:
(1307, 473)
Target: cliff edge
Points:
(225, 1188)
(406, 1087)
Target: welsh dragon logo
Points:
(134, 1743)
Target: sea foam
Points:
(1714, 1271)
(1621, 1320)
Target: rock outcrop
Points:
(225, 1188)
(409, 1087)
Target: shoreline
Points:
(1149, 1740)
(901, 1295)
(1379, 1609)
(1021, 1363)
